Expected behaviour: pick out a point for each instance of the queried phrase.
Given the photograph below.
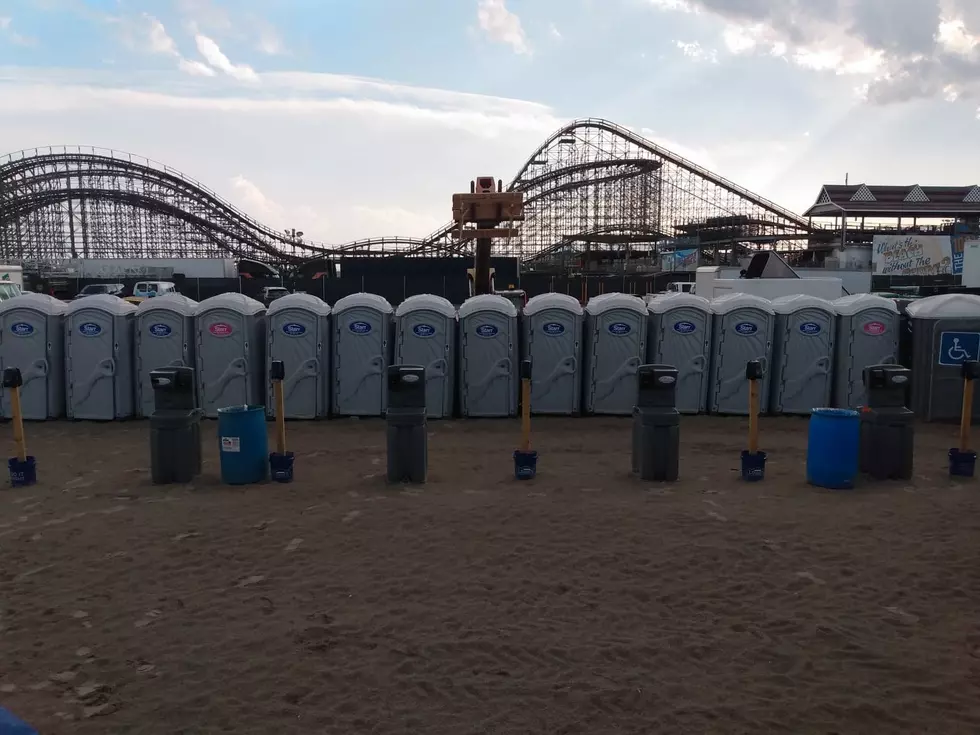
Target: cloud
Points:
(693, 50)
(553, 30)
(146, 33)
(8, 33)
(502, 26)
(216, 21)
(214, 56)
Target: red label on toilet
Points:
(220, 329)
(874, 328)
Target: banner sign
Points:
(917, 255)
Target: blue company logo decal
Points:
(160, 330)
(486, 330)
(294, 330)
(89, 329)
(553, 329)
(684, 327)
(619, 329)
(746, 328)
(360, 327)
(424, 330)
(22, 329)
(810, 328)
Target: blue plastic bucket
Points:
(525, 465)
(23, 473)
(962, 464)
(833, 448)
(753, 465)
(243, 444)
(281, 466)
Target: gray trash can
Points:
(656, 424)
(887, 426)
(406, 426)
(175, 427)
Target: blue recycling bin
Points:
(243, 444)
(833, 448)
(12, 725)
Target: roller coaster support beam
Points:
(486, 206)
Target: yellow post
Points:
(753, 416)
(18, 422)
(280, 417)
(966, 414)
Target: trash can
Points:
(833, 448)
(887, 425)
(407, 437)
(243, 444)
(175, 426)
(656, 424)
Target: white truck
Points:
(11, 281)
(768, 276)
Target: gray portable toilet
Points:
(868, 328)
(802, 354)
(298, 327)
(230, 352)
(488, 352)
(680, 335)
(552, 338)
(361, 354)
(425, 335)
(99, 366)
(165, 337)
(33, 339)
(615, 347)
(742, 331)
(945, 334)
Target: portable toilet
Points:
(945, 334)
(230, 355)
(867, 334)
(680, 335)
(425, 335)
(298, 327)
(615, 347)
(552, 340)
(488, 351)
(361, 354)
(99, 367)
(802, 354)
(164, 338)
(742, 331)
(33, 340)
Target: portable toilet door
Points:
(680, 335)
(32, 339)
(164, 338)
(616, 337)
(230, 357)
(742, 331)
(99, 358)
(552, 330)
(299, 336)
(867, 334)
(488, 344)
(425, 334)
(945, 334)
(802, 354)
(361, 354)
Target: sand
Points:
(584, 601)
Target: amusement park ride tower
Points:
(486, 205)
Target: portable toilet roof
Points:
(172, 302)
(299, 301)
(30, 300)
(106, 302)
(733, 301)
(609, 301)
(235, 301)
(946, 306)
(544, 301)
(791, 304)
(487, 302)
(851, 305)
(671, 301)
(427, 301)
(371, 300)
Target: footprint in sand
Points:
(350, 516)
(905, 617)
(811, 577)
(293, 545)
(716, 515)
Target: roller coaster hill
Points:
(602, 206)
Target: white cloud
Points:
(215, 57)
(693, 50)
(553, 30)
(502, 26)
(7, 32)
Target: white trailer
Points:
(11, 281)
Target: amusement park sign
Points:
(917, 255)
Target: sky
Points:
(349, 119)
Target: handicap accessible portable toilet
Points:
(298, 327)
(32, 338)
(680, 335)
(742, 331)
(165, 337)
(425, 335)
(552, 338)
(802, 354)
(867, 334)
(615, 347)
(230, 329)
(99, 365)
(488, 357)
(945, 334)
(361, 354)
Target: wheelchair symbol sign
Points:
(955, 348)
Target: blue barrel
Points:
(833, 448)
(243, 444)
